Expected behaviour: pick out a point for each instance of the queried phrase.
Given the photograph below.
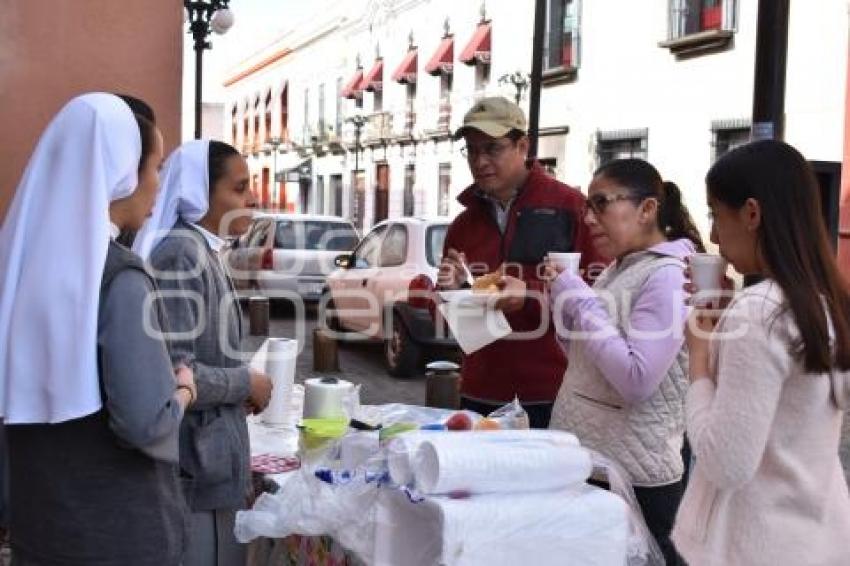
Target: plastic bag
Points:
(642, 548)
(319, 439)
(395, 413)
(511, 416)
(312, 507)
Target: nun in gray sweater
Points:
(205, 183)
(91, 402)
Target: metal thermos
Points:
(325, 357)
(442, 385)
(258, 316)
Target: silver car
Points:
(284, 255)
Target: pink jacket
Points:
(767, 487)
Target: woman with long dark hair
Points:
(623, 393)
(770, 378)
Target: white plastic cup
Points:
(707, 271)
(566, 261)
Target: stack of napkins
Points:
(472, 320)
(498, 498)
(582, 525)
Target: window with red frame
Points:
(246, 128)
(257, 122)
(711, 15)
(234, 126)
(561, 47)
(284, 114)
(268, 116)
(689, 17)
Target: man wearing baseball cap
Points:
(515, 214)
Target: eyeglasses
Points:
(599, 203)
(492, 150)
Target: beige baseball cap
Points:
(494, 116)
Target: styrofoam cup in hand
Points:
(566, 261)
(707, 271)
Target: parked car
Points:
(288, 253)
(383, 290)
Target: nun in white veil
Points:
(203, 183)
(185, 195)
(91, 402)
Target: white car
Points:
(384, 290)
(284, 255)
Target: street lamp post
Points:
(519, 80)
(536, 76)
(272, 144)
(203, 16)
(358, 122)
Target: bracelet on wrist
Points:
(191, 393)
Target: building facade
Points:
(133, 48)
(360, 104)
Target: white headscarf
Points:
(53, 247)
(184, 193)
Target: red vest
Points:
(544, 217)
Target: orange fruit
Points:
(488, 424)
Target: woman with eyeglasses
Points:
(770, 378)
(624, 390)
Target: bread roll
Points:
(487, 283)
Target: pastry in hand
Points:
(487, 283)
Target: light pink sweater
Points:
(767, 487)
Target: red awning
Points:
(441, 61)
(406, 71)
(352, 89)
(478, 48)
(374, 79)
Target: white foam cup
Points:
(566, 261)
(707, 271)
(280, 367)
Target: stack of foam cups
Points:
(280, 367)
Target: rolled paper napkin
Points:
(281, 354)
(499, 462)
(326, 397)
(402, 449)
(400, 452)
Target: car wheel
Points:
(403, 355)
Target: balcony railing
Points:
(405, 122)
(409, 122)
(379, 126)
(444, 115)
